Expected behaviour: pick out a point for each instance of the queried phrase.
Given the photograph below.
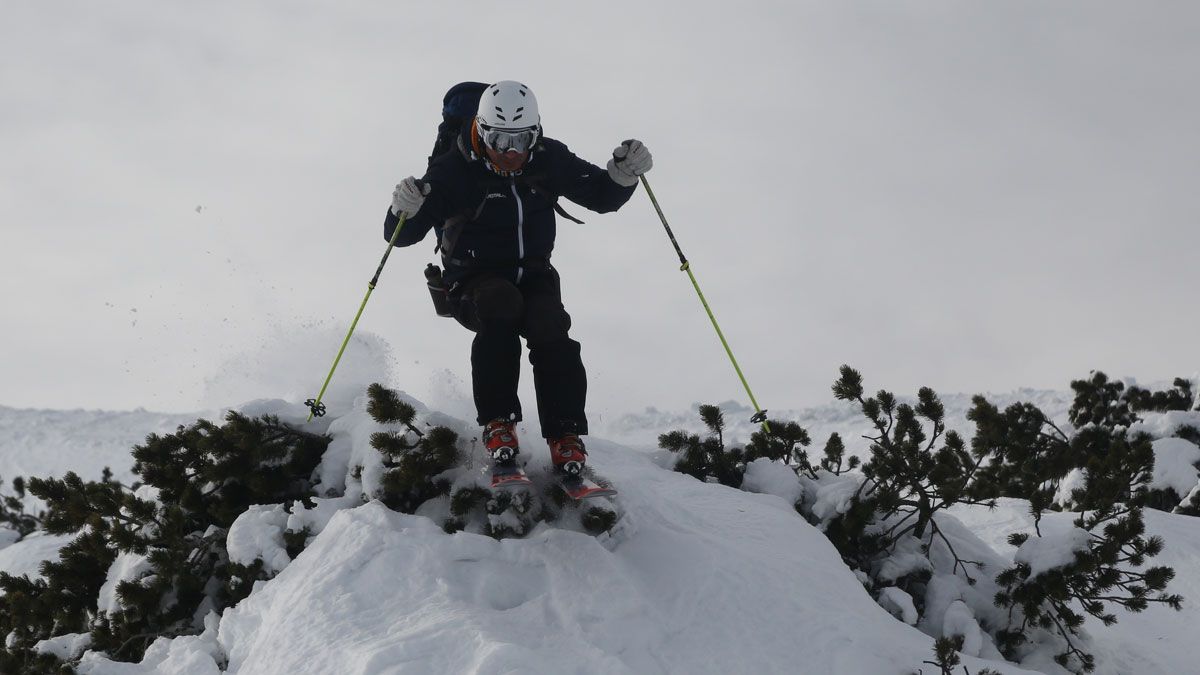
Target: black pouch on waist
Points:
(438, 290)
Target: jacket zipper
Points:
(520, 232)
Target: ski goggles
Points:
(504, 140)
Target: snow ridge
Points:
(695, 577)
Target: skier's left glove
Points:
(630, 159)
(408, 196)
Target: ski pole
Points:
(316, 408)
(760, 415)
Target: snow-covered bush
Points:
(1114, 448)
(888, 520)
(416, 470)
(914, 471)
(1104, 468)
(1057, 577)
(222, 508)
(706, 459)
(709, 460)
(1166, 471)
(152, 561)
(887, 517)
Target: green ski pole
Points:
(315, 406)
(760, 415)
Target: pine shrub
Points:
(1103, 573)
(195, 483)
(916, 469)
(12, 510)
(1025, 455)
(709, 460)
(945, 652)
(835, 452)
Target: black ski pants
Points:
(500, 313)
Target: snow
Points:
(68, 646)
(695, 570)
(8, 537)
(126, 567)
(187, 655)
(960, 620)
(258, 534)
(1175, 465)
(773, 478)
(899, 603)
(695, 578)
(834, 494)
(1052, 550)
(48, 443)
(25, 556)
(1076, 479)
(270, 366)
(1161, 425)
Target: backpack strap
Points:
(563, 212)
(538, 183)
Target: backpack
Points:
(459, 107)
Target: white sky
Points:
(970, 196)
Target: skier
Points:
(491, 201)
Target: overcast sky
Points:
(970, 196)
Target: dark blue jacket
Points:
(486, 221)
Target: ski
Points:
(508, 474)
(579, 489)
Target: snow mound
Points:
(704, 579)
(695, 578)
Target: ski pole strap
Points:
(315, 406)
(760, 415)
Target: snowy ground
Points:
(697, 578)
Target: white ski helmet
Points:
(508, 117)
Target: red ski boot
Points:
(500, 440)
(568, 454)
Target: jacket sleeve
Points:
(414, 229)
(585, 183)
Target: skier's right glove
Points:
(410, 193)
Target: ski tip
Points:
(587, 492)
(511, 481)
